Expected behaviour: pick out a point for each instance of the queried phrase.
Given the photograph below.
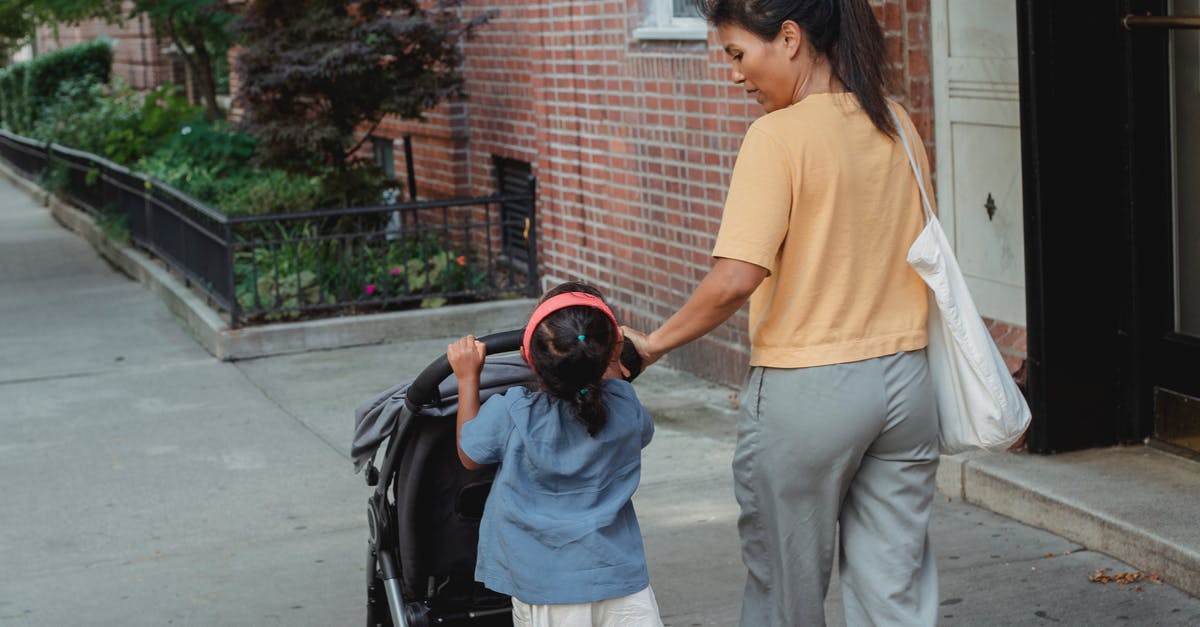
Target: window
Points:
(673, 19)
(515, 177)
(384, 156)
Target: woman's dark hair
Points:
(845, 31)
(569, 368)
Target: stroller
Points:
(423, 517)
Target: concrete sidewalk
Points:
(147, 483)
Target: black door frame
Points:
(1077, 198)
(1092, 155)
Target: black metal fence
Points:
(302, 265)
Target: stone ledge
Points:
(1132, 503)
(212, 331)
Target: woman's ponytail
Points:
(859, 60)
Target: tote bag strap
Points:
(912, 160)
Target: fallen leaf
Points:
(1102, 576)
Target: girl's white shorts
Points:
(636, 610)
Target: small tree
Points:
(199, 30)
(314, 71)
(16, 25)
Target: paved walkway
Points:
(145, 483)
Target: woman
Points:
(837, 427)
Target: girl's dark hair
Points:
(845, 31)
(569, 368)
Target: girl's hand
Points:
(466, 358)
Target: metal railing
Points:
(300, 265)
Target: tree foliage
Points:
(314, 71)
(198, 28)
(15, 28)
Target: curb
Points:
(1001, 482)
(211, 330)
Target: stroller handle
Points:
(424, 389)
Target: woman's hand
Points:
(641, 342)
(466, 358)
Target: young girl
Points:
(559, 533)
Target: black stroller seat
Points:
(424, 513)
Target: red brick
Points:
(632, 141)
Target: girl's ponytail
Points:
(570, 351)
(589, 408)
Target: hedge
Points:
(26, 88)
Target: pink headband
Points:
(561, 301)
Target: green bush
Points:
(115, 121)
(271, 191)
(91, 60)
(56, 178)
(209, 161)
(32, 86)
(12, 99)
(380, 274)
(114, 225)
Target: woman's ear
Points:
(793, 37)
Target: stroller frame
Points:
(389, 523)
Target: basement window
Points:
(676, 20)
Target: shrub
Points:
(271, 191)
(12, 97)
(114, 121)
(32, 86)
(308, 270)
(86, 61)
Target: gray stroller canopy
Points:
(379, 416)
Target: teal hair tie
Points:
(581, 337)
(582, 391)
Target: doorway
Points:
(1110, 157)
(1165, 74)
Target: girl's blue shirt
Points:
(559, 525)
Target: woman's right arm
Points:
(720, 294)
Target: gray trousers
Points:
(851, 445)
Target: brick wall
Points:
(633, 143)
(137, 57)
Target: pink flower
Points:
(370, 289)
(396, 271)
(462, 260)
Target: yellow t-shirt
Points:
(829, 205)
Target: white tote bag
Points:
(979, 404)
